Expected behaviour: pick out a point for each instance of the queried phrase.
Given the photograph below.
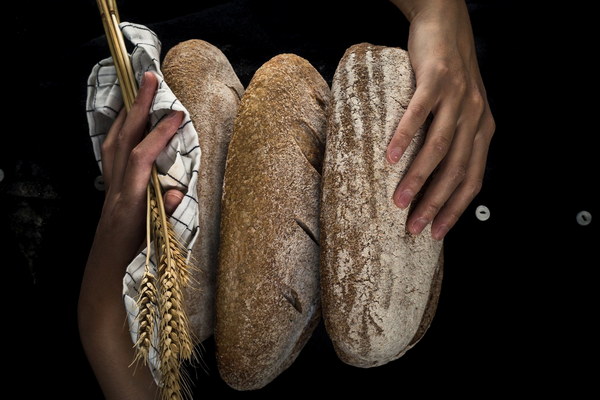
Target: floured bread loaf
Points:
(203, 80)
(380, 284)
(268, 276)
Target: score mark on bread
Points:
(268, 299)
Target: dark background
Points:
(518, 299)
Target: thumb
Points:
(172, 198)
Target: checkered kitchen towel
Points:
(178, 164)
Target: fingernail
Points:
(418, 226)
(395, 155)
(176, 194)
(143, 80)
(440, 232)
(404, 199)
(175, 197)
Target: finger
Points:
(448, 177)
(172, 199)
(470, 186)
(415, 115)
(437, 143)
(134, 126)
(108, 147)
(142, 157)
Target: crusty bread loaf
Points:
(201, 77)
(379, 284)
(268, 275)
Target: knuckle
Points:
(402, 138)
(441, 69)
(417, 111)
(490, 126)
(452, 215)
(477, 102)
(137, 157)
(432, 208)
(459, 172)
(122, 138)
(473, 187)
(107, 147)
(487, 128)
(416, 181)
(459, 83)
(440, 144)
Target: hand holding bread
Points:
(449, 88)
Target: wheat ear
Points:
(147, 300)
(161, 296)
(175, 344)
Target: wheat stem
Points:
(175, 343)
(118, 52)
(161, 295)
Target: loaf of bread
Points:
(380, 284)
(201, 78)
(268, 277)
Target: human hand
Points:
(449, 86)
(127, 159)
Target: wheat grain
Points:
(161, 296)
(146, 317)
(175, 344)
(148, 294)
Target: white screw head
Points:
(482, 213)
(584, 218)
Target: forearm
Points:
(127, 159)
(110, 352)
(447, 24)
(104, 330)
(412, 8)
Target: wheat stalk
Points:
(147, 299)
(161, 296)
(175, 344)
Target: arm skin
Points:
(127, 158)
(449, 86)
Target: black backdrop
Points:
(518, 296)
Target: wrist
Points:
(415, 8)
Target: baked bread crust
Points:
(201, 78)
(379, 283)
(268, 278)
